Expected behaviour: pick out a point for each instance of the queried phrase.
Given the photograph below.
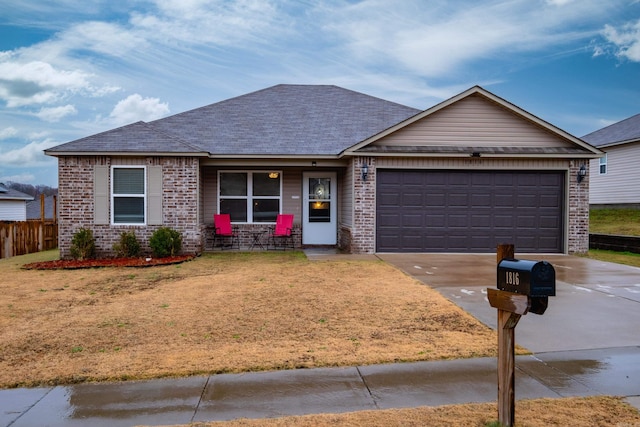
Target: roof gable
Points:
(476, 121)
(622, 132)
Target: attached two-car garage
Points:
(469, 211)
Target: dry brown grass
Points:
(226, 312)
(583, 412)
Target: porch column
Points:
(364, 206)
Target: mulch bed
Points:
(73, 264)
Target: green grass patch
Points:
(627, 258)
(622, 222)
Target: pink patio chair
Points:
(282, 233)
(223, 231)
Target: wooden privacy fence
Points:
(25, 237)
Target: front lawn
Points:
(223, 312)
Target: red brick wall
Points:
(76, 202)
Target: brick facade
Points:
(180, 176)
(181, 182)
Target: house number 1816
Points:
(512, 278)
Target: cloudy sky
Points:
(72, 68)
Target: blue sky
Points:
(72, 68)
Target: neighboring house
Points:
(615, 177)
(358, 172)
(13, 204)
(34, 208)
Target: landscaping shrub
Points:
(128, 245)
(83, 245)
(165, 242)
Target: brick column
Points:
(364, 206)
(578, 209)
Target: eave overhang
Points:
(124, 154)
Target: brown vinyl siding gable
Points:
(473, 122)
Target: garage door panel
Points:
(413, 200)
(412, 220)
(463, 211)
(479, 200)
(437, 220)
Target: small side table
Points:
(257, 239)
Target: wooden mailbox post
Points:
(523, 286)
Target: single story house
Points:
(358, 172)
(615, 176)
(13, 204)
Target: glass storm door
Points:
(319, 224)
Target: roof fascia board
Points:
(617, 143)
(276, 162)
(123, 154)
(483, 156)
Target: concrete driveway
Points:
(597, 304)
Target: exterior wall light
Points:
(365, 171)
(582, 172)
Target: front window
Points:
(603, 164)
(128, 195)
(250, 196)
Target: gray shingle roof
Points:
(11, 194)
(280, 120)
(626, 130)
(138, 137)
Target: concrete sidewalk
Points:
(614, 371)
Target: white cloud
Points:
(101, 37)
(55, 114)
(37, 82)
(28, 155)
(438, 40)
(8, 132)
(625, 39)
(559, 2)
(208, 21)
(135, 108)
(23, 178)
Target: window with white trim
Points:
(603, 164)
(250, 197)
(128, 195)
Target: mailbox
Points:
(531, 278)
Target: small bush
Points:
(128, 245)
(83, 245)
(165, 242)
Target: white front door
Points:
(319, 207)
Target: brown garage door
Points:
(460, 211)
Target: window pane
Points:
(128, 181)
(237, 208)
(265, 210)
(233, 184)
(266, 184)
(319, 188)
(319, 212)
(129, 210)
